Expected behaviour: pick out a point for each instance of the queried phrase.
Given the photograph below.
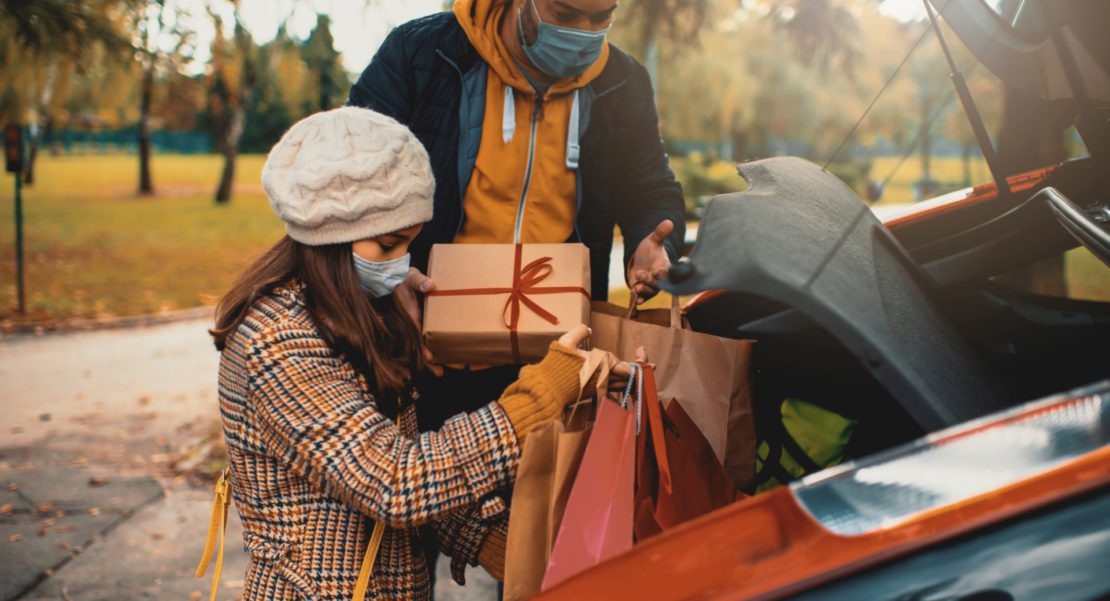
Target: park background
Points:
(147, 123)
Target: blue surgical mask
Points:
(561, 52)
(381, 278)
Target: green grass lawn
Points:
(95, 249)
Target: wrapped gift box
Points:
(498, 304)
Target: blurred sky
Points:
(359, 27)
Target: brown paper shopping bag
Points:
(708, 375)
(552, 453)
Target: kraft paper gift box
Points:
(498, 304)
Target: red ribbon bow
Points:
(526, 282)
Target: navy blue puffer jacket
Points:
(428, 76)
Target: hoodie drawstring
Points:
(508, 126)
(572, 134)
(508, 117)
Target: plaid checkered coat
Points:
(314, 463)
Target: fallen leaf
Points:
(99, 481)
(196, 596)
(41, 532)
(59, 514)
(80, 462)
(13, 486)
(157, 535)
(17, 429)
(144, 400)
(94, 511)
(15, 538)
(44, 507)
(65, 528)
(6, 509)
(48, 522)
(48, 572)
(63, 546)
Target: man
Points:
(538, 131)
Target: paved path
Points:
(95, 429)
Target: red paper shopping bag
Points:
(597, 522)
(678, 476)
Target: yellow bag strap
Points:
(218, 524)
(371, 556)
(368, 562)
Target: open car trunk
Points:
(848, 318)
(900, 325)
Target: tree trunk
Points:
(146, 186)
(966, 156)
(739, 145)
(234, 132)
(926, 149)
(42, 120)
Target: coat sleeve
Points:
(461, 535)
(314, 417)
(649, 192)
(386, 85)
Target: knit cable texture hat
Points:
(348, 174)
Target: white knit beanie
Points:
(348, 174)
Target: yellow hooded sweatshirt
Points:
(521, 180)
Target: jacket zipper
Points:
(537, 114)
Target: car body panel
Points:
(771, 546)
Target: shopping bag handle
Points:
(676, 311)
(598, 363)
(650, 398)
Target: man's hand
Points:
(406, 295)
(649, 263)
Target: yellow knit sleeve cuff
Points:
(492, 555)
(543, 389)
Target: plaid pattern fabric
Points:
(314, 463)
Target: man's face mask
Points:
(381, 278)
(561, 52)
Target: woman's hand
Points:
(618, 376)
(575, 337)
(407, 295)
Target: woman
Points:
(316, 373)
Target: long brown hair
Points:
(375, 335)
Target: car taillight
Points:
(957, 464)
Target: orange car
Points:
(959, 488)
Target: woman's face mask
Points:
(561, 52)
(382, 278)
